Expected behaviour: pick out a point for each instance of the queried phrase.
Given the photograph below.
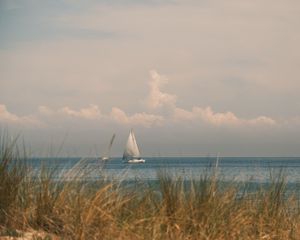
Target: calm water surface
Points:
(244, 169)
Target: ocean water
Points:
(237, 169)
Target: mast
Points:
(107, 153)
(110, 144)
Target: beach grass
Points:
(201, 208)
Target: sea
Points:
(257, 170)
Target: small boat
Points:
(132, 152)
(106, 156)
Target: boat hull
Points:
(136, 161)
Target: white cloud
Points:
(10, 118)
(157, 98)
(119, 116)
(6, 116)
(180, 115)
(262, 120)
(91, 112)
(143, 119)
(207, 115)
(227, 118)
(44, 110)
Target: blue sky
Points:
(191, 77)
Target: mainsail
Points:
(132, 149)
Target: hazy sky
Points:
(191, 77)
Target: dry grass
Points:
(175, 209)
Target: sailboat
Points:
(106, 156)
(132, 152)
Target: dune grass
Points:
(174, 209)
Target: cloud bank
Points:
(158, 99)
(155, 101)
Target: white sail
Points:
(132, 152)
